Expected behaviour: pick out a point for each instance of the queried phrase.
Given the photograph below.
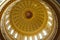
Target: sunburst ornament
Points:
(29, 20)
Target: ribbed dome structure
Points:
(29, 20)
